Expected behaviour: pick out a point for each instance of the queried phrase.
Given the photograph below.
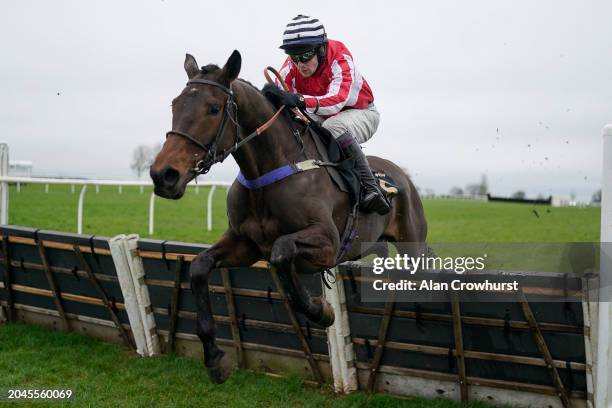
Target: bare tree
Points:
(456, 192)
(478, 189)
(142, 157)
(483, 186)
(472, 189)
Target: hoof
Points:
(221, 371)
(327, 319)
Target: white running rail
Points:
(5, 179)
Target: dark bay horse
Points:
(295, 223)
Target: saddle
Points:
(343, 172)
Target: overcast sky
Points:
(516, 90)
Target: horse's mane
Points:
(210, 68)
(260, 92)
(244, 81)
(207, 69)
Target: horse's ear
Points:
(232, 67)
(191, 66)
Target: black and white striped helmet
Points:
(303, 32)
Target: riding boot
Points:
(372, 199)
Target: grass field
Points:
(110, 213)
(105, 375)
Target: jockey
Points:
(324, 82)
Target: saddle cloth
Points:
(344, 175)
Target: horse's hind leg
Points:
(229, 251)
(317, 250)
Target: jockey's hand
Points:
(281, 97)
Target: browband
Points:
(207, 82)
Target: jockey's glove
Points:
(281, 97)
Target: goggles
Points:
(304, 57)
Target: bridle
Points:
(211, 156)
(230, 112)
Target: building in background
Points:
(20, 168)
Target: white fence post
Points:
(47, 188)
(142, 294)
(18, 187)
(589, 316)
(603, 384)
(130, 300)
(209, 208)
(151, 213)
(4, 187)
(80, 210)
(339, 342)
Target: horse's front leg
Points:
(315, 249)
(231, 250)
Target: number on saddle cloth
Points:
(386, 184)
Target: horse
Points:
(295, 223)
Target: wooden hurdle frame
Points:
(339, 366)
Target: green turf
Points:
(110, 213)
(482, 221)
(102, 374)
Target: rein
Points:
(295, 111)
(231, 112)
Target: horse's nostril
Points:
(170, 176)
(154, 175)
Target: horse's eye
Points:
(214, 109)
